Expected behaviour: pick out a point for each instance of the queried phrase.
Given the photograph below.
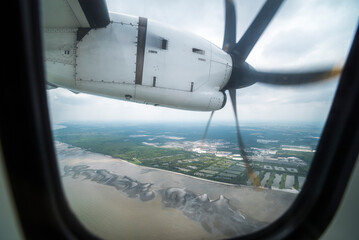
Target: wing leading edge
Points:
(75, 14)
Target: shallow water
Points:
(182, 207)
(112, 215)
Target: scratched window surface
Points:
(130, 104)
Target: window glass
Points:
(134, 171)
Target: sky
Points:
(304, 35)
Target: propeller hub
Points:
(239, 77)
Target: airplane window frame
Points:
(33, 172)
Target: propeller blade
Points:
(292, 78)
(206, 129)
(244, 46)
(229, 40)
(252, 176)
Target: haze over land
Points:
(276, 152)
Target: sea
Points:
(115, 199)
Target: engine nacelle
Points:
(136, 59)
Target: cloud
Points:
(307, 33)
(67, 106)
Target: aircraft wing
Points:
(50, 86)
(75, 14)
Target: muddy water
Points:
(183, 207)
(112, 215)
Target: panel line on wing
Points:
(141, 43)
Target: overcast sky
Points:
(303, 35)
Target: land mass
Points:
(280, 156)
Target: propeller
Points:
(245, 45)
(244, 75)
(229, 40)
(251, 174)
(206, 129)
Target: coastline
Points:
(211, 181)
(190, 176)
(181, 174)
(258, 206)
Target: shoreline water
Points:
(208, 180)
(190, 176)
(257, 205)
(181, 174)
(120, 217)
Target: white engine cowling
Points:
(139, 60)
